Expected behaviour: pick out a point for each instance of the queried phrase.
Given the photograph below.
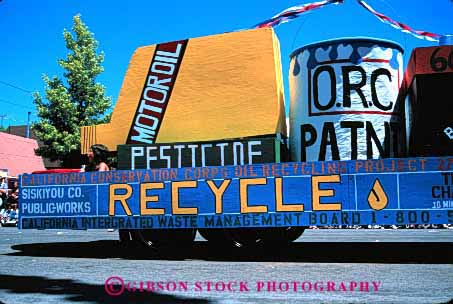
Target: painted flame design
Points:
(377, 198)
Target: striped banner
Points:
(294, 12)
(398, 25)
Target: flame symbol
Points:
(377, 198)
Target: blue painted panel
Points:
(391, 191)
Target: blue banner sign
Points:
(361, 192)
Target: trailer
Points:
(192, 157)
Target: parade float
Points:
(199, 129)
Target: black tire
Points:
(282, 235)
(255, 237)
(232, 237)
(166, 238)
(245, 237)
(215, 236)
(124, 236)
(128, 239)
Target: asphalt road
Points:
(324, 266)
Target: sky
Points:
(31, 34)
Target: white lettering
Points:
(241, 153)
(193, 147)
(203, 152)
(251, 152)
(165, 157)
(149, 158)
(136, 151)
(222, 153)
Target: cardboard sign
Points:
(390, 191)
(201, 89)
(201, 154)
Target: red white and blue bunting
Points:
(295, 11)
(400, 26)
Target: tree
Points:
(78, 101)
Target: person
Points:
(4, 184)
(97, 161)
(13, 197)
(97, 158)
(3, 191)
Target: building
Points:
(17, 155)
(22, 131)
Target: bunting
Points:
(294, 12)
(398, 25)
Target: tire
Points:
(232, 237)
(245, 237)
(166, 238)
(215, 236)
(282, 235)
(124, 235)
(255, 237)
(128, 239)
(251, 237)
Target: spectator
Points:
(14, 214)
(97, 158)
(3, 191)
(2, 214)
(13, 197)
(4, 184)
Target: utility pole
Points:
(2, 116)
(28, 125)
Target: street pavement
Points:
(323, 266)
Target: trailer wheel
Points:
(234, 237)
(282, 235)
(124, 236)
(245, 237)
(166, 238)
(215, 236)
(253, 237)
(128, 238)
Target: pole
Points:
(2, 117)
(28, 125)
